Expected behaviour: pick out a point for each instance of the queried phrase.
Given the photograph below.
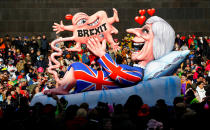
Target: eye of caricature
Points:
(81, 21)
(145, 30)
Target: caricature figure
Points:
(84, 27)
(157, 37)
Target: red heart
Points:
(151, 11)
(140, 19)
(68, 17)
(142, 12)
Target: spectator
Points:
(201, 91)
(33, 56)
(44, 44)
(2, 65)
(85, 58)
(184, 47)
(12, 69)
(20, 65)
(1, 93)
(34, 44)
(41, 62)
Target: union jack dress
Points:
(111, 76)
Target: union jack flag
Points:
(111, 76)
(123, 74)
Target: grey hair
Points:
(164, 36)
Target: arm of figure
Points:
(60, 27)
(124, 75)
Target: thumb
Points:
(104, 44)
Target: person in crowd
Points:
(12, 69)
(34, 44)
(20, 65)
(2, 65)
(184, 47)
(201, 91)
(41, 62)
(184, 83)
(85, 58)
(33, 56)
(45, 44)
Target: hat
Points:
(22, 71)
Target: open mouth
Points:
(94, 23)
(138, 46)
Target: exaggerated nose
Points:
(135, 31)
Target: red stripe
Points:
(97, 80)
(117, 71)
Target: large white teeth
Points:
(94, 23)
(101, 35)
(137, 44)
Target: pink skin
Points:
(104, 25)
(145, 55)
(65, 84)
(77, 24)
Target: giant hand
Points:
(96, 47)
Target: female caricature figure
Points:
(158, 39)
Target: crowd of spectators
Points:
(23, 63)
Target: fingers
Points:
(104, 44)
(93, 42)
(61, 23)
(90, 45)
(56, 24)
(114, 10)
(98, 43)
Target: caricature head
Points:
(85, 26)
(157, 38)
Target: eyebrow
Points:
(79, 17)
(146, 27)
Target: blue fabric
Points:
(83, 84)
(165, 66)
(166, 88)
